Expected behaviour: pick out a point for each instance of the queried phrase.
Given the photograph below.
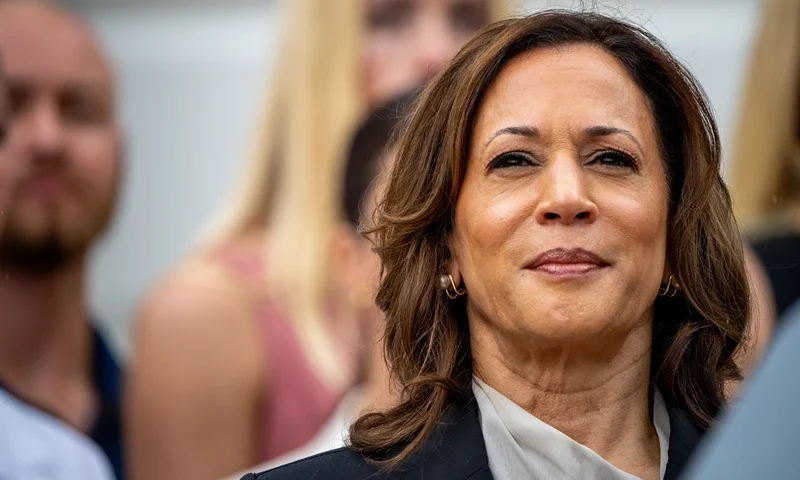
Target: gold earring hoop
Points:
(448, 285)
(670, 289)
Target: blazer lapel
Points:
(683, 439)
(455, 450)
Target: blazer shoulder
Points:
(342, 463)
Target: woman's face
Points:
(410, 40)
(561, 222)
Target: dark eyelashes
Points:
(615, 159)
(510, 160)
(605, 159)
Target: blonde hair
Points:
(763, 178)
(292, 179)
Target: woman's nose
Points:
(564, 197)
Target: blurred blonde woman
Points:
(243, 352)
(765, 175)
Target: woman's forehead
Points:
(581, 84)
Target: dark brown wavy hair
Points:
(427, 338)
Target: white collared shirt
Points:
(520, 446)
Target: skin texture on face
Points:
(408, 41)
(564, 155)
(63, 134)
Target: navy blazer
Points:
(455, 451)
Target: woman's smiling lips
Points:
(563, 262)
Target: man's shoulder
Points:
(342, 463)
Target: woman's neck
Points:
(597, 394)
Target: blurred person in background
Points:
(371, 154)
(63, 135)
(246, 349)
(760, 437)
(35, 444)
(765, 168)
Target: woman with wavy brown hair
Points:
(563, 280)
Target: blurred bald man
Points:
(65, 137)
(34, 444)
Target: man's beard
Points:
(39, 257)
(44, 252)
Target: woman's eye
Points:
(510, 160)
(614, 159)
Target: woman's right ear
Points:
(451, 264)
(451, 268)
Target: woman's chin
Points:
(570, 321)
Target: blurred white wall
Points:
(191, 76)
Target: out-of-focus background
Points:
(192, 73)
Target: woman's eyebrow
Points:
(521, 130)
(533, 132)
(605, 130)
